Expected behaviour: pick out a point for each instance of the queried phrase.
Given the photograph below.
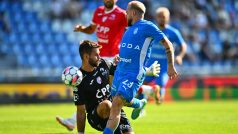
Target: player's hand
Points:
(78, 28)
(154, 69)
(116, 59)
(172, 72)
(179, 60)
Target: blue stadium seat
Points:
(45, 27)
(17, 16)
(33, 27)
(24, 37)
(40, 48)
(44, 60)
(32, 59)
(48, 38)
(13, 38)
(4, 5)
(29, 48)
(18, 48)
(74, 47)
(67, 60)
(51, 49)
(64, 49)
(56, 60)
(16, 6)
(6, 48)
(36, 38)
(30, 17)
(21, 27)
(60, 38)
(77, 60)
(22, 60)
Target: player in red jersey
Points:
(109, 22)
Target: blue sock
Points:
(136, 103)
(141, 96)
(107, 131)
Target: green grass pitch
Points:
(199, 117)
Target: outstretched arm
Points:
(85, 29)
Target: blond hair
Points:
(138, 6)
(163, 10)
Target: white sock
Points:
(146, 89)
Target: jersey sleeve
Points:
(153, 31)
(111, 67)
(79, 95)
(178, 38)
(95, 18)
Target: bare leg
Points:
(103, 109)
(115, 112)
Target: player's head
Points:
(162, 16)
(109, 4)
(89, 52)
(135, 9)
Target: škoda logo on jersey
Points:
(130, 46)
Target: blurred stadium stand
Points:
(37, 39)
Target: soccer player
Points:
(134, 52)
(159, 54)
(93, 93)
(109, 22)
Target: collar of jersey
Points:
(88, 73)
(137, 22)
(107, 12)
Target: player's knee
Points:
(104, 108)
(117, 105)
(117, 101)
(157, 87)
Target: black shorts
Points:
(99, 124)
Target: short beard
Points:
(109, 5)
(93, 63)
(129, 22)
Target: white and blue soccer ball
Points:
(72, 76)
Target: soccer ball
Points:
(72, 76)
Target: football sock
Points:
(107, 131)
(141, 96)
(136, 103)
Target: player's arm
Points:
(85, 29)
(170, 56)
(179, 57)
(81, 118)
(153, 31)
(112, 65)
(183, 47)
(91, 28)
